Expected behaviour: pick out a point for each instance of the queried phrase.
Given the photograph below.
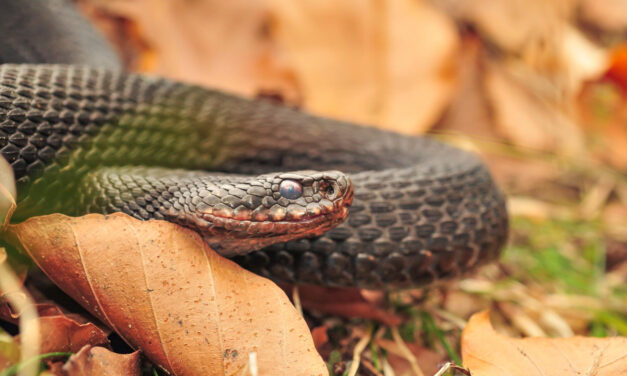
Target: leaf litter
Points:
(552, 130)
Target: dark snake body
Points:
(422, 210)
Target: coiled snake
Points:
(84, 139)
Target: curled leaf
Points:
(63, 334)
(163, 290)
(346, 302)
(98, 361)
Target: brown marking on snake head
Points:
(289, 206)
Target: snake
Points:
(286, 194)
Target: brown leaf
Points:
(429, 360)
(486, 353)
(319, 335)
(524, 118)
(167, 294)
(98, 361)
(186, 42)
(469, 110)
(59, 332)
(346, 302)
(44, 309)
(63, 334)
(610, 15)
(387, 63)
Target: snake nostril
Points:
(330, 190)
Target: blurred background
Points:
(538, 88)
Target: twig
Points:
(9, 283)
(387, 368)
(296, 299)
(409, 356)
(29, 322)
(359, 348)
(448, 366)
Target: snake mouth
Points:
(231, 237)
(325, 206)
(239, 218)
(306, 224)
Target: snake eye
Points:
(290, 189)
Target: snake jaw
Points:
(232, 226)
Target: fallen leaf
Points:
(486, 353)
(186, 42)
(528, 119)
(508, 24)
(469, 112)
(610, 15)
(62, 334)
(538, 34)
(59, 332)
(98, 361)
(580, 59)
(19, 266)
(162, 289)
(15, 295)
(346, 302)
(43, 309)
(387, 63)
(384, 63)
(429, 360)
(320, 337)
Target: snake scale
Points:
(264, 184)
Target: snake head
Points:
(250, 213)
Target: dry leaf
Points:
(389, 63)
(98, 361)
(320, 337)
(469, 110)
(188, 42)
(429, 360)
(528, 119)
(59, 332)
(487, 353)
(62, 334)
(346, 302)
(610, 15)
(167, 294)
(510, 24)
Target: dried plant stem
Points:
(29, 323)
(451, 366)
(359, 348)
(296, 300)
(406, 352)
